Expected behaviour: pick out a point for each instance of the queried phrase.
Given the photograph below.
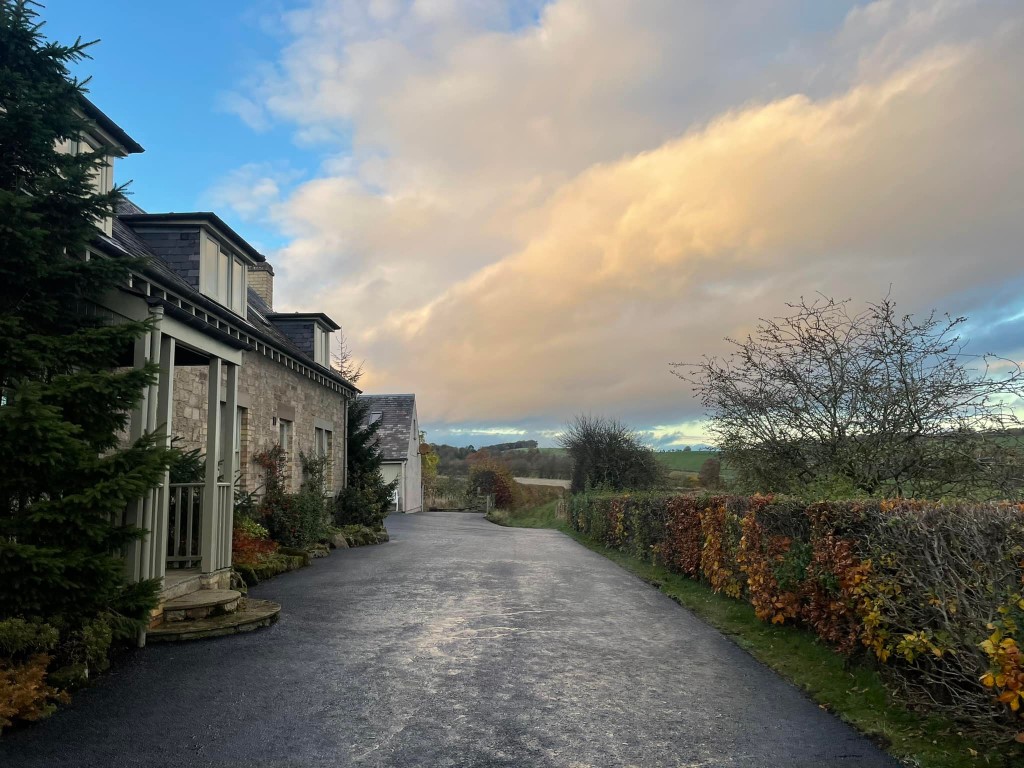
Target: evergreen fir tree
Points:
(64, 478)
(366, 498)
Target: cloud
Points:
(248, 110)
(252, 190)
(537, 214)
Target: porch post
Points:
(230, 426)
(211, 524)
(138, 426)
(152, 496)
(164, 421)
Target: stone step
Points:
(201, 604)
(250, 615)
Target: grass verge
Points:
(853, 692)
(533, 517)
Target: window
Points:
(240, 421)
(322, 439)
(321, 346)
(222, 276)
(323, 445)
(285, 434)
(375, 417)
(285, 441)
(102, 176)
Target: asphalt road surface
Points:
(458, 643)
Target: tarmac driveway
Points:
(458, 643)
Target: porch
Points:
(189, 524)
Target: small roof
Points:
(97, 115)
(395, 434)
(205, 216)
(272, 316)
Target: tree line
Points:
(522, 459)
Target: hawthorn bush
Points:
(931, 592)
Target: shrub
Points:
(608, 454)
(25, 656)
(295, 520)
(248, 549)
(361, 506)
(933, 593)
(488, 476)
(251, 528)
(361, 536)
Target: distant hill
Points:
(523, 458)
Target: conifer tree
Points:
(65, 478)
(366, 497)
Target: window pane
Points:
(223, 277)
(237, 285)
(208, 268)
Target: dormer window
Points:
(102, 175)
(222, 275)
(321, 346)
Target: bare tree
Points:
(608, 454)
(343, 361)
(874, 402)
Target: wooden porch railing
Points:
(185, 522)
(185, 525)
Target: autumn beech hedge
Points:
(931, 592)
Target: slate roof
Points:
(395, 432)
(257, 324)
(141, 217)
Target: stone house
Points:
(399, 439)
(235, 378)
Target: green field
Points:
(685, 461)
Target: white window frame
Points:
(321, 345)
(285, 434)
(223, 275)
(239, 410)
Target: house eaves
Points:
(112, 129)
(285, 316)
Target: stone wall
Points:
(268, 392)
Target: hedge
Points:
(931, 592)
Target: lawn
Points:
(853, 692)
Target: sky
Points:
(525, 210)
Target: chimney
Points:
(261, 280)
